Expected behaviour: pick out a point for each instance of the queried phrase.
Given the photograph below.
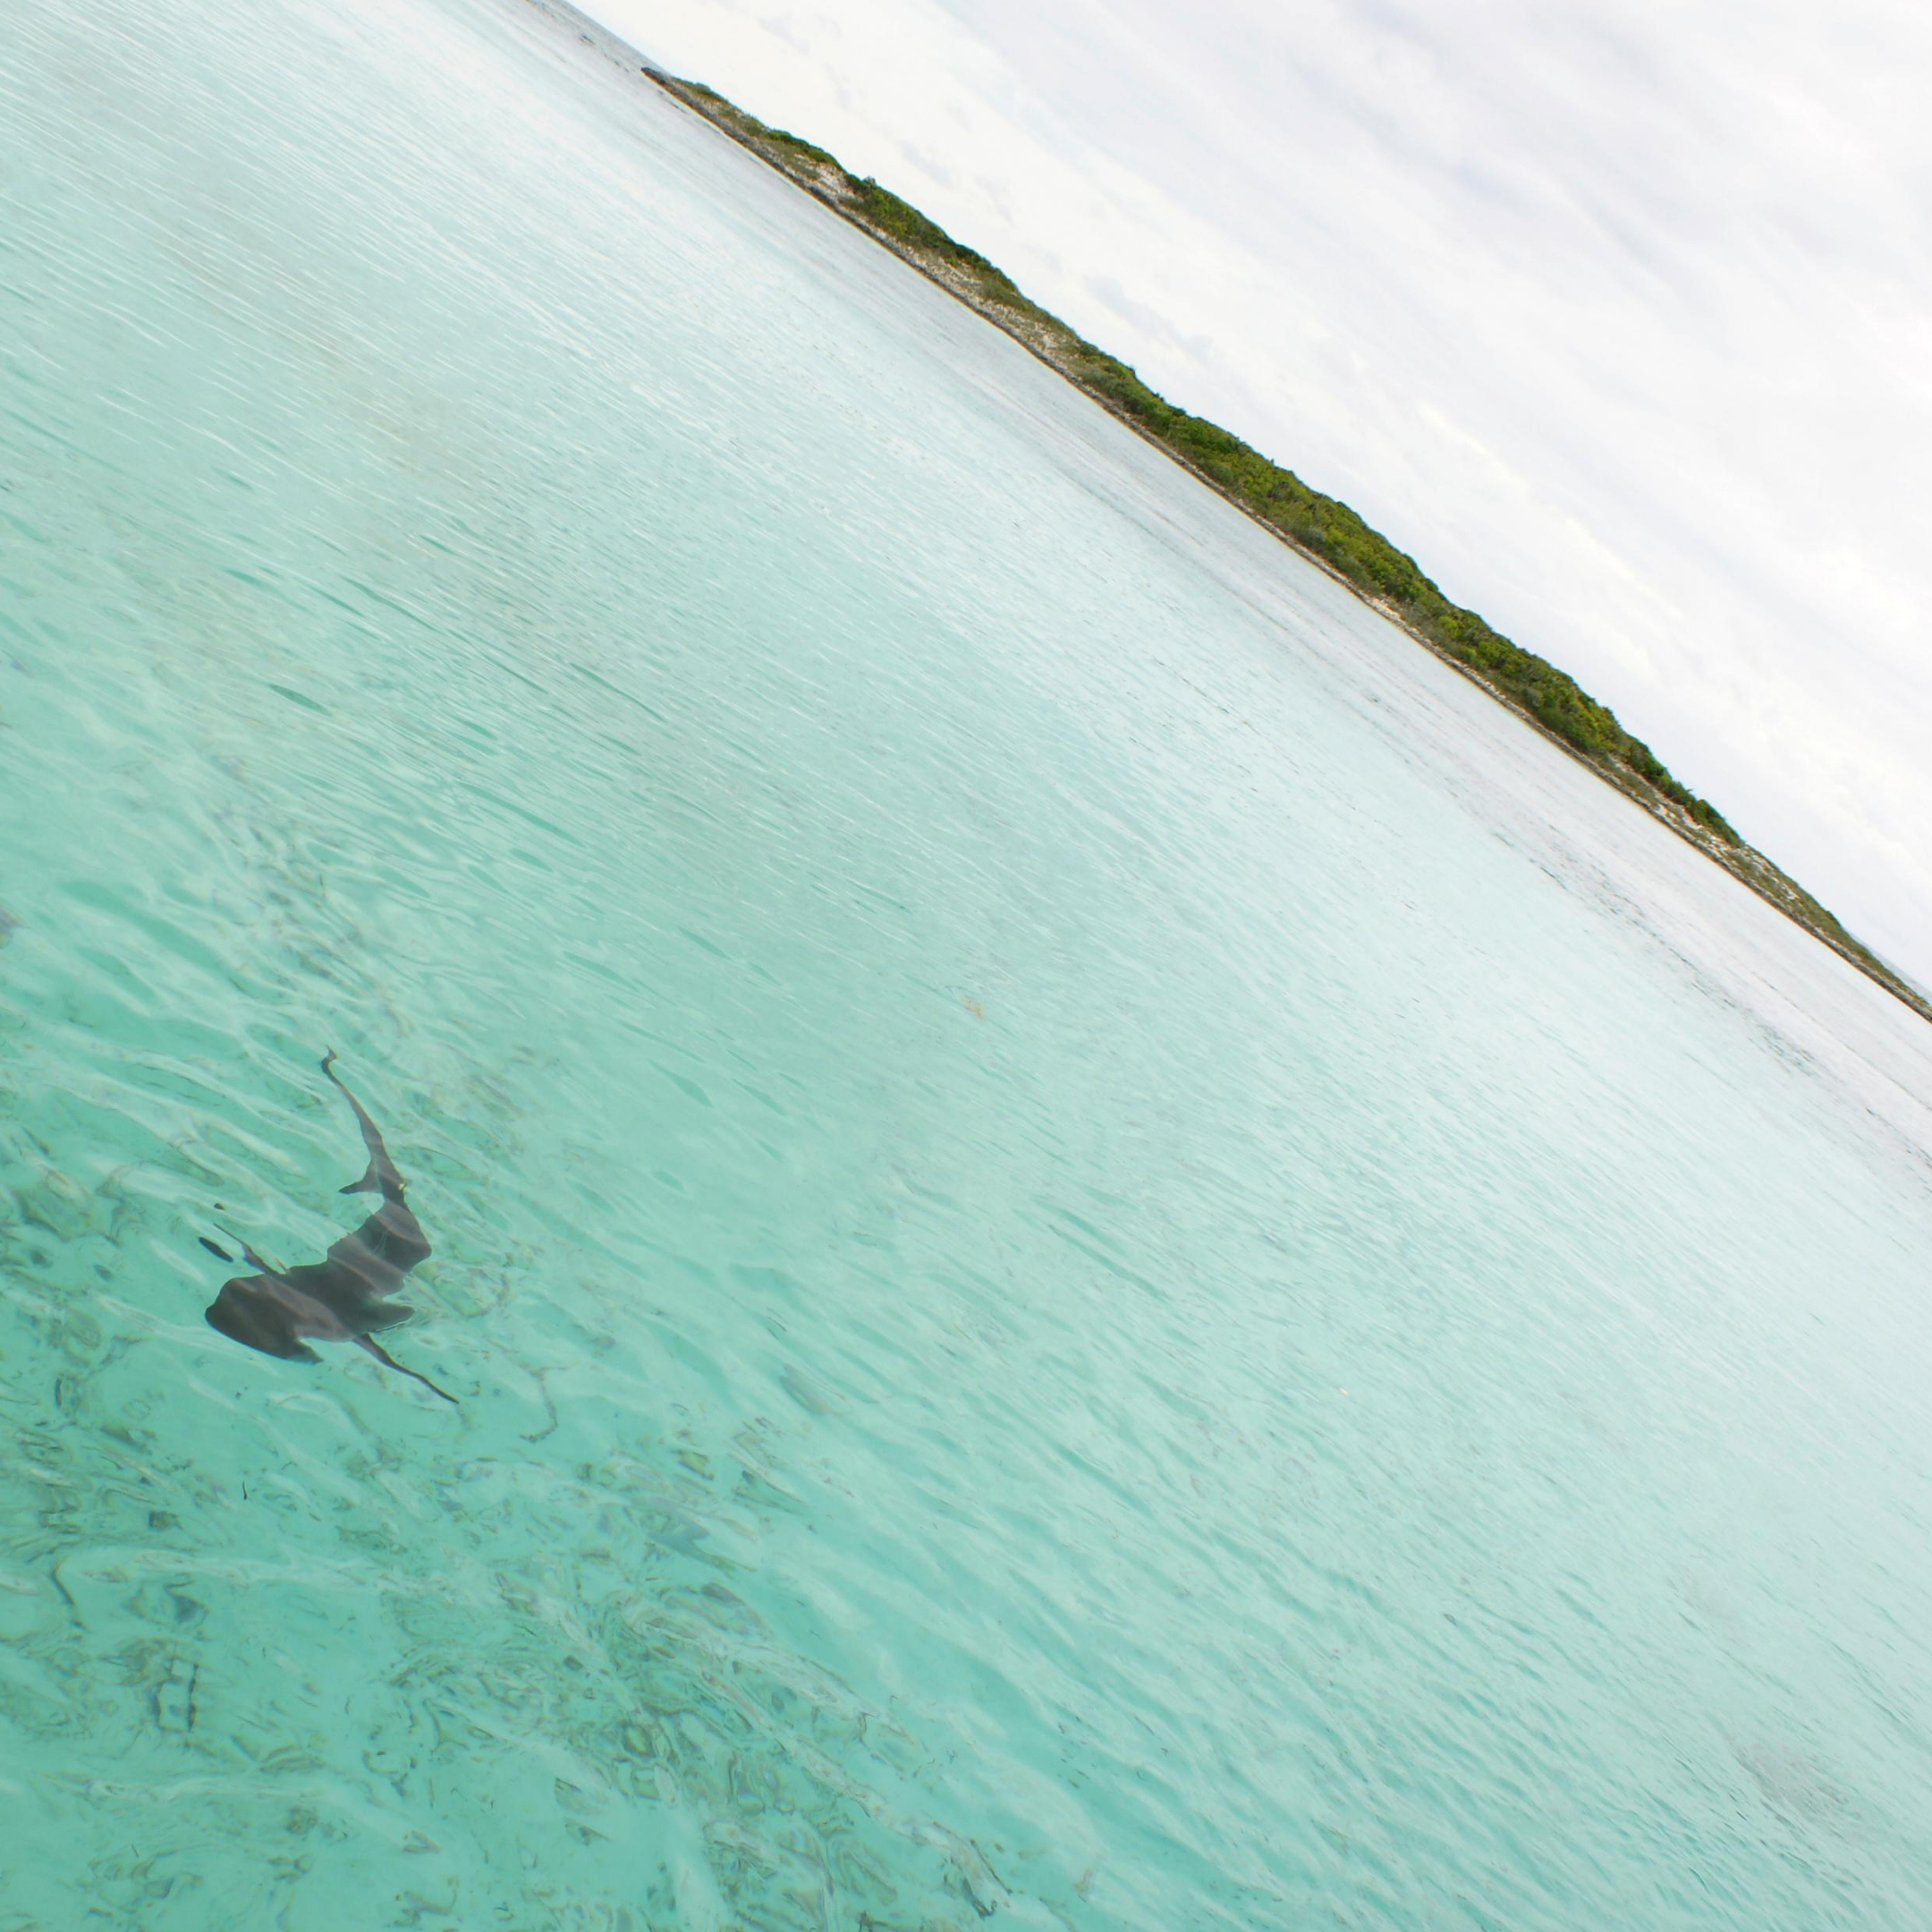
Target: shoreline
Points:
(974, 283)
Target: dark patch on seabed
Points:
(345, 1296)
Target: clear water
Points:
(1113, 1258)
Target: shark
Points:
(345, 1296)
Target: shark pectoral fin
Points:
(248, 1254)
(389, 1361)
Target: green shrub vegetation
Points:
(1331, 532)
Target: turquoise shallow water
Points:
(1113, 1258)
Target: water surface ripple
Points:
(1114, 1259)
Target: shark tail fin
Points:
(381, 1176)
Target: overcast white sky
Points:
(1615, 314)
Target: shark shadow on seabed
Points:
(345, 1296)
